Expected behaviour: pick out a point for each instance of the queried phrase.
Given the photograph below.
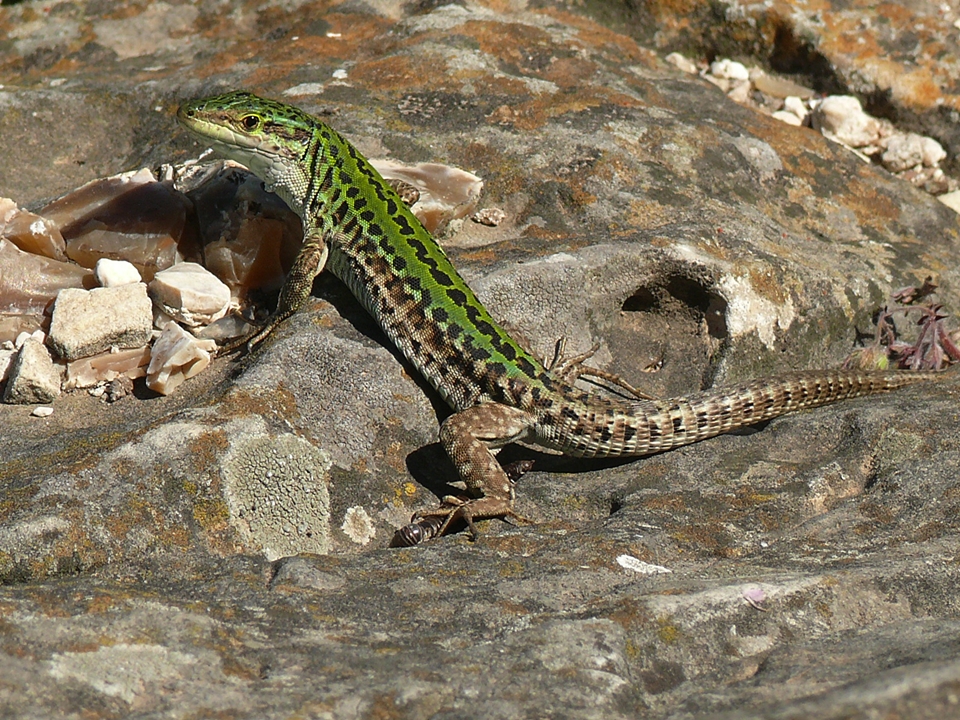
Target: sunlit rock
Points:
(34, 377)
(190, 294)
(446, 193)
(126, 217)
(177, 356)
(107, 366)
(87, 322)
(28, 285)
(29, 232)
(111, 273)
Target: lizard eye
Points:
(250, 122)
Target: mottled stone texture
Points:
(813, 563)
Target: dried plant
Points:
(934, 348)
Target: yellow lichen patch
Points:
(668, 633)
(211, 514)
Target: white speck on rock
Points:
(358, 526)
(629, 562)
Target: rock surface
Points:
(812, 564)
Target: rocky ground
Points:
(221, 551)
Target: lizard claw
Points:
(430, 524)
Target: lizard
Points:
(356, 225)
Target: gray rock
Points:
(33, 377)
(87, 322)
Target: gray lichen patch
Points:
(276, 490)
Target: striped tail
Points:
(652, 426)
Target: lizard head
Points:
(268, 137)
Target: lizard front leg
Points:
(295, 291)
(469, 437)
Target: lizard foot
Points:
(429, 524)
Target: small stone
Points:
(951, 200)
(87, 322)
(681, 63)
(788, 117)
(740, 92)
(37, 335)
(840, 118)
(116, 389)
(42, 411)
(34, 378)
(729, 70)
(190, 294)
(933, 152)
(226, 328)
(30, 232)
(904, 151)
(795, 105)
(489, 216)
(111, 273)
(177, 356)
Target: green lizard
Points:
(356, 226)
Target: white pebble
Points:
(42, 411)
(951, 200)
(788, 117)
(740, 92)
(681, 63)
(795, 105)
(933, 152)
(841, 118)
(729, 70)
(110, 273)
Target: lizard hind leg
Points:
(469, 438)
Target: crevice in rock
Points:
(678, 290)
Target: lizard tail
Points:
(651, 426)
